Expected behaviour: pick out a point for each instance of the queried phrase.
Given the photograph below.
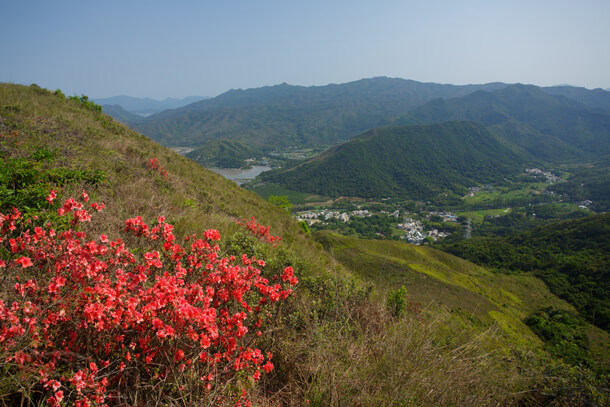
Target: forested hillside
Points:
(415, 162)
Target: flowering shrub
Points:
(259, 230)
(90, 321)
(154, 165)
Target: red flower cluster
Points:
(155, 165)
(88, 318)
(259, 230)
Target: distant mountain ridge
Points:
(122, 115)
(147, 106)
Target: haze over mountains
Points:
(146, 106)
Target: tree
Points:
(281, 201)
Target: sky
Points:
(180, 48)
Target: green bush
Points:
(397, 301)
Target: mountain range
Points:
(411, 158)
(535, 125)
(285, 115)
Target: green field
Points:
(495, 195)
(477, 216)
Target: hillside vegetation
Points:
(572, 257)
(333, 341)
(415, 162)
(436, 279)
(122, 115)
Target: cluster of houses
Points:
(585, 204)
(415, 232)
(550, 177)
(312, 217)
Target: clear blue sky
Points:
(179, 48)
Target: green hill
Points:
(286, 115)
(224, 154)
(572, 257)
(71, 331)
(550, 127)
(416, 162)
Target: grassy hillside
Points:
(416, 162)
(335, 342)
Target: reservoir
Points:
(238, 175)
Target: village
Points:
(414, 231)
(550, 177)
